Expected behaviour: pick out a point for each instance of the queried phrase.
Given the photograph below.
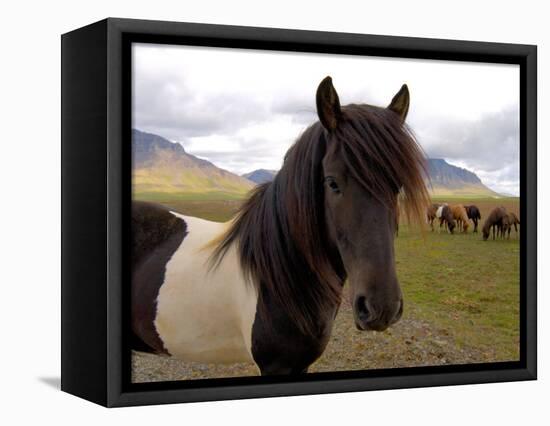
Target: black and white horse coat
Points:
(202, 314)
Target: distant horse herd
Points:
(457, 217)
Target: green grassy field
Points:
(465, 285)
(214, 210)
(160, 197)
(461, 298)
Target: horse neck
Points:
(284, 273)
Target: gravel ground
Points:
(409, 343)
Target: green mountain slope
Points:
(162, 170)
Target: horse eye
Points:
(333, 185)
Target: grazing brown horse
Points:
(474, 214)
(446, 218)
(461, 217)
(431, 214)
(513, 220)
(266, 288)
(496, 220)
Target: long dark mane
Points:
(280, 231)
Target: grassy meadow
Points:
(465, 285)
(461, 298)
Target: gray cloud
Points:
(297, 108)
(504, 180)
(239, 163)
(489, 146)
(488, 143)
(172, 109)
(246, 117)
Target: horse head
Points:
(370, 158)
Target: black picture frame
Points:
(96, 148)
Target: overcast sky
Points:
(242, 109)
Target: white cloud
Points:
(242, 109)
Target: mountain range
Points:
(448, 179)
(445, 180)
(164, 170)
(260, 175)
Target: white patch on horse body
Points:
(205, 315)
(439, 211)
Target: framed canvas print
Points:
(253, 212)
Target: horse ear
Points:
(328, 104)
(400, 103)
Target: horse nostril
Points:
(361, 308)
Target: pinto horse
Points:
(265, 287)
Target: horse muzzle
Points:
(370, 317)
